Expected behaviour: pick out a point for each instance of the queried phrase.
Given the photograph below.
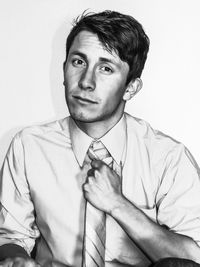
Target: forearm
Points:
(11, 251)
(154, 240)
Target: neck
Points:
(98, 129)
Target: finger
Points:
(87, 185)
(90, 180)
(86, 191)
(97, 164)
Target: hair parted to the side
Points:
(117, 32)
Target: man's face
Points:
(95, 80)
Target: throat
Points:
(98, 129)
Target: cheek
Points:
(111, 101)
(70, 76)
(70, 84)
(114, 94)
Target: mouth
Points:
(84, 100)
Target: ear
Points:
(132, 89)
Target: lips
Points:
(85, 99)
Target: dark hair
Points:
(118, 32)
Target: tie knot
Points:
(97, 150)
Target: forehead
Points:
(89, 43)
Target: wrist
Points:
(118, 206)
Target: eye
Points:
(106, 69)
(77, 62)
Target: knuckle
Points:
(101, 164)
(96, 163)
(85, 187)
(90, 180)
(104, 167)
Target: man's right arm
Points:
(18, 230)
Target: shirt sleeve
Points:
(17, 220)
(178, 196)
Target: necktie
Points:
(95, 220)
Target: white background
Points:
(32, 50)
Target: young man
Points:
(99, 187)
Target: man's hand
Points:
(19, 262)
(103, 190)
(103, 187)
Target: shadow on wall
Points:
(56, 70)
(56, 86)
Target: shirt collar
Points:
(114, 140)
(80, 141)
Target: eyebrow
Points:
(101, 59)
(107, 60)
(77, 53)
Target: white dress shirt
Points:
(41, 188)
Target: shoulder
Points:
(46, 131)
(144, 130)
(156, 142)
(167, 157)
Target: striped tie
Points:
(95, 220)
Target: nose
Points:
(87, 80)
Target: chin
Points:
(83, 117)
